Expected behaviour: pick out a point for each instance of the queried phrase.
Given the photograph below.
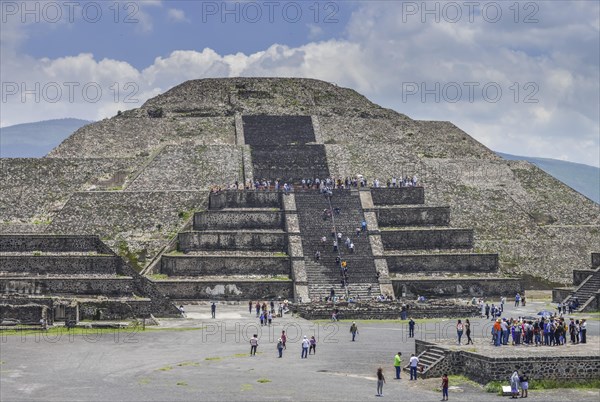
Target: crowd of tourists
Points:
(544, 331)
(316, 183)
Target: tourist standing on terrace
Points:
(468, 331)
(305, 345)
(353, 330)
(514, 385)
(414, 362)
(213, 310)
(445, 387)
(398, 364)
(411, 328)
(283, 339)
(280, 347)
(380, 381)
(517, 299)
(459, 330)
(253, 345)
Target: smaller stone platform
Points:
(484, 362)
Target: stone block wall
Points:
(427, 239)
(227, 220)
(382, 310)
(416, 216)
(457, 287)
(114, 310)
(235, 290)
(595, 260)
(25, 313)
(245, 199)
(49, 243)
(60, 265)
(221, 266)
(398, 195)
(110, 287)
(579, 275)
(463, 263)
(560, 294)
(253, 241)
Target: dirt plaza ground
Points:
(200, 358)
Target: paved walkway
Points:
(186, 363)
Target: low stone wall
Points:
(451, 287)
(398, 195)
(245, 199)
(383, 310)
(560, 294)
(226, 290)
(222, 266)
(595, 260)
(121, 286)
(25, 313)
(59, 265)
(114, 309)
(256, 241)
(417, 216)
(442, 263)
(484, 369)
(52, 243)
(427, 239)
(226, 220)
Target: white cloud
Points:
(176, 15)
(553, 62)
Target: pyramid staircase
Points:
(589, 289)
(325, 274)
(428, 360)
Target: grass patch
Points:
(158, 276)
(240, 355)
(495, 387)
(182, 383)
(166, 368)
(247, 387)
(144, 381)
(278, 278)
(188, 364)
(263, 380)
(213, 358)
(556, 384)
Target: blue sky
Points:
(521, 77)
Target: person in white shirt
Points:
(414, 362)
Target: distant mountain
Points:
(582, 178)
(33, 140)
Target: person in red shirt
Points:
(445, 387)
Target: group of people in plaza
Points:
(267, 312)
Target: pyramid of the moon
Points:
(140, 182)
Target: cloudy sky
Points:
(520, 76)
